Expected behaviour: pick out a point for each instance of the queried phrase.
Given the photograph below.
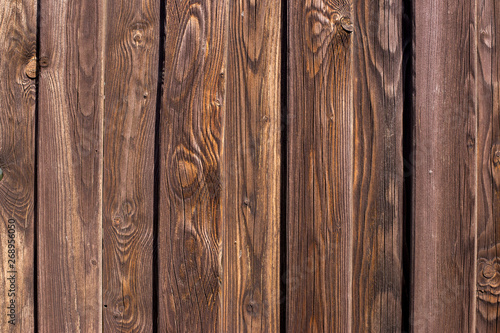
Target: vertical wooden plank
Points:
(251, 168)
(17, 162)
(378, 166)
(132, 32)
(320, 166)
(70, 167)
(190, 175)
(445, 167)
(488, 154)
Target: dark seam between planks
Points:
(156, 196)
(408, 167)
(284, 168)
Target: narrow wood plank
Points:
(251, 169)
(17, 162)
(378, 166)
(445, 167)
(190, 174)
(488, 155)
(132, 32)
(70, 167)
(320, 165)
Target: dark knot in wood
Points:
(346, 24)
(488, 282)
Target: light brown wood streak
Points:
(17, 156)
(190, 176)
(488, 158)
(378, 166)
(70, 164)
(444, 183)
(129, 136)
(319, 179)
(251, 168)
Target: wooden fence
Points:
(249, 166)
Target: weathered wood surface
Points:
(320, 164)
(251, 169)
(70, 167)
(378, 166)
(488, 173)
(443, 271)
(170, 136)
(190, 242)
(131, 76)
(17, 162)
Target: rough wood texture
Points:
(190, 176)
(251, 169)
(378, 166)
(17, 157)
(70, 167)
(488, 154)
(129, 137)
(445, 167)
(319, 205)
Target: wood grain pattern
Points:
(129, 137)
(320, 160)
(378, 166)
(70, 167)
(251, 168)
(190, 176)
(488, 173)
(445, 167)
(17, 157)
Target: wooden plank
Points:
(190, 175)
(17, 162)
(251, 169)
(444, 185)
(488, 155)
(132, 32)
(378, 166)
(70, 167)
(320, 164)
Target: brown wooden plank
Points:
(132, 32)
(70, 167)
(445, 167)
(488, 154)
(320, 164)
(17, 162)
(190, 175)
(251, 169)
(378, 166)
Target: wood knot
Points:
(470, 142)
(496, 158)
(138, 29)
(488, 282)
(252, 308)
(44, 62)
(346, 24)
(495, 164)
(31, 68)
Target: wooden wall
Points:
(249, 166)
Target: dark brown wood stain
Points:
(70, 167)
(245, 165)
(128, 185)
(17, 161)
